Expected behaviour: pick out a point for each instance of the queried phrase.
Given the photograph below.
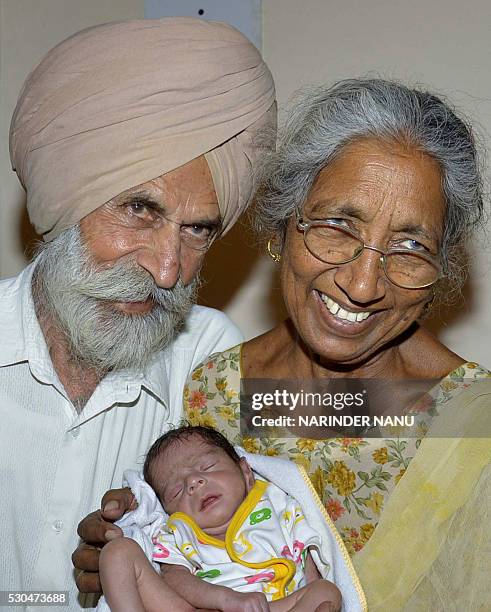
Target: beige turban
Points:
(119, 104)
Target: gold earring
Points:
(276, 257)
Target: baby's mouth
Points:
(207, 501)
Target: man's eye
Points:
(138, 208)
(200, 231)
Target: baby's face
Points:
(201, 480)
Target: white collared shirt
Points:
(55, 464)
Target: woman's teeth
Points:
(340, 313)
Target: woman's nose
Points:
(363, 279)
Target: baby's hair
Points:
(207, 434)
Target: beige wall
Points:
(444, 44)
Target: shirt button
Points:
(75, 432)
(58, 526)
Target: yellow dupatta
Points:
(431, 550)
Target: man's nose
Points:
(161, 255)
(363, 279)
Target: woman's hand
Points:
(95, 530)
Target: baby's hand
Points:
(244, 602)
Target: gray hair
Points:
(326, 119)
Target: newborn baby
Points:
(231, 542)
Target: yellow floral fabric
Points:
(354, 477)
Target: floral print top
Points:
(353, 476)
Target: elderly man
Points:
(135, 144)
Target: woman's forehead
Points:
(373, 159)
(372, 177)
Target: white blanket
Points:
(141, 524)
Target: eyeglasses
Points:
(336, 244)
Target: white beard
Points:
(75, 294)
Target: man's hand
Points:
(96, 529)
(244, 602)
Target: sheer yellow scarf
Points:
(431, 547)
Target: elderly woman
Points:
(369, 200)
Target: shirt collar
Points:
(156, 377)
(23, 340)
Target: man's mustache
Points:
(126, 281)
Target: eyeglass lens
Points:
(337, 246)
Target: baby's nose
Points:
(194, 481)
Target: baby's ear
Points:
(247, 472)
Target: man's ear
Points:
(247, 473)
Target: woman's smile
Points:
(344, 314)
(339, 320)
